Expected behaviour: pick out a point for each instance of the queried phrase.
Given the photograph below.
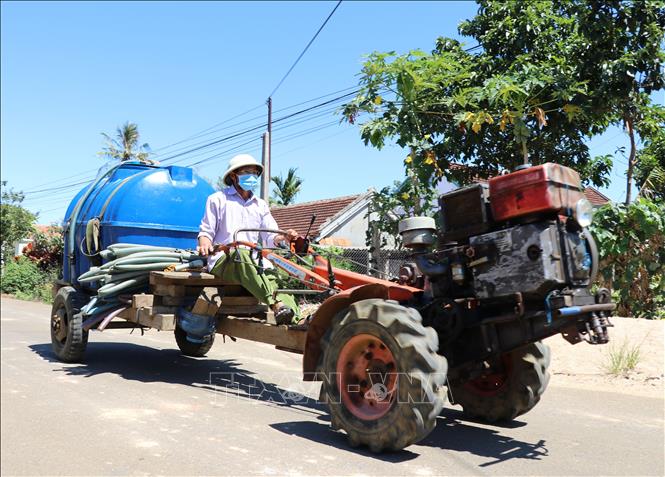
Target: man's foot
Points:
(283, 314)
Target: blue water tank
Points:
(135, 203)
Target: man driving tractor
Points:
(237, 207)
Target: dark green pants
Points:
(242, 268)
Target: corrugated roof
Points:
(298, 216)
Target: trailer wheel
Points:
(68, 339)
(382, 378)
(188, 348)
(512, 385)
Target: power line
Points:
(181, 155)
(235, 147)
(306, 48)
(260, 126)
(200, 133)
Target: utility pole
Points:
(267, 140)
(265, 162)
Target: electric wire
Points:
(257, 127)
(197, 135)
(306, 48)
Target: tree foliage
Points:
(16, 222)
(631, 242)
(286, 188)
(650, 164)
(548, 75)
(125, 146)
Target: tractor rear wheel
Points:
(382, 378)
(68, 338)
(511, 386)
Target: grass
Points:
(621, 360)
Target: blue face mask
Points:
(248, 181)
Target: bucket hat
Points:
(239, 161)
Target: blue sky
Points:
(72, 70)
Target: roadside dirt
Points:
(582, 365)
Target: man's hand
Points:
(291, 234)
(205, 246)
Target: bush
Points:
(631, 244)
(21, 275)
(46, 249)
(25, 280)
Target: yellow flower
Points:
(429, 158)
(405, 196)
(408, 159)
(378, 100)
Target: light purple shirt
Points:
(227, 212)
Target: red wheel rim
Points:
(491, 382)
(367, 377)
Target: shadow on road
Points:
(146, 364)
(321, 433)
(454, 432)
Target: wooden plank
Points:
(169, 290)
(176, 290)
(187, 278)
(159, 321)
(143, 300)
(208, 302)
(176, 300)
(158, 317)
(243, 309)
(239, 300)
(253, 330)
(193, 291)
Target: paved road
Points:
(138, 407)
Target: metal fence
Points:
(383, 263)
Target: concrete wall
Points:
(352, 230)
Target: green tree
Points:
(286, 188)
(613, 46)
(125, 146)
(631, 244)
(16, 222)
(548, 75)
(650, 162)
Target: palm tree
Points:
(125, 146)
(286, 189)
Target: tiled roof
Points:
(595, 197)
(47, 229)
(298, 216)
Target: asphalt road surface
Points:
(137, 406)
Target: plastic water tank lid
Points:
(415, 223)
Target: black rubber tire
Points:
(421, 394)
(526, 380)
(67, 304)
(197, 350)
